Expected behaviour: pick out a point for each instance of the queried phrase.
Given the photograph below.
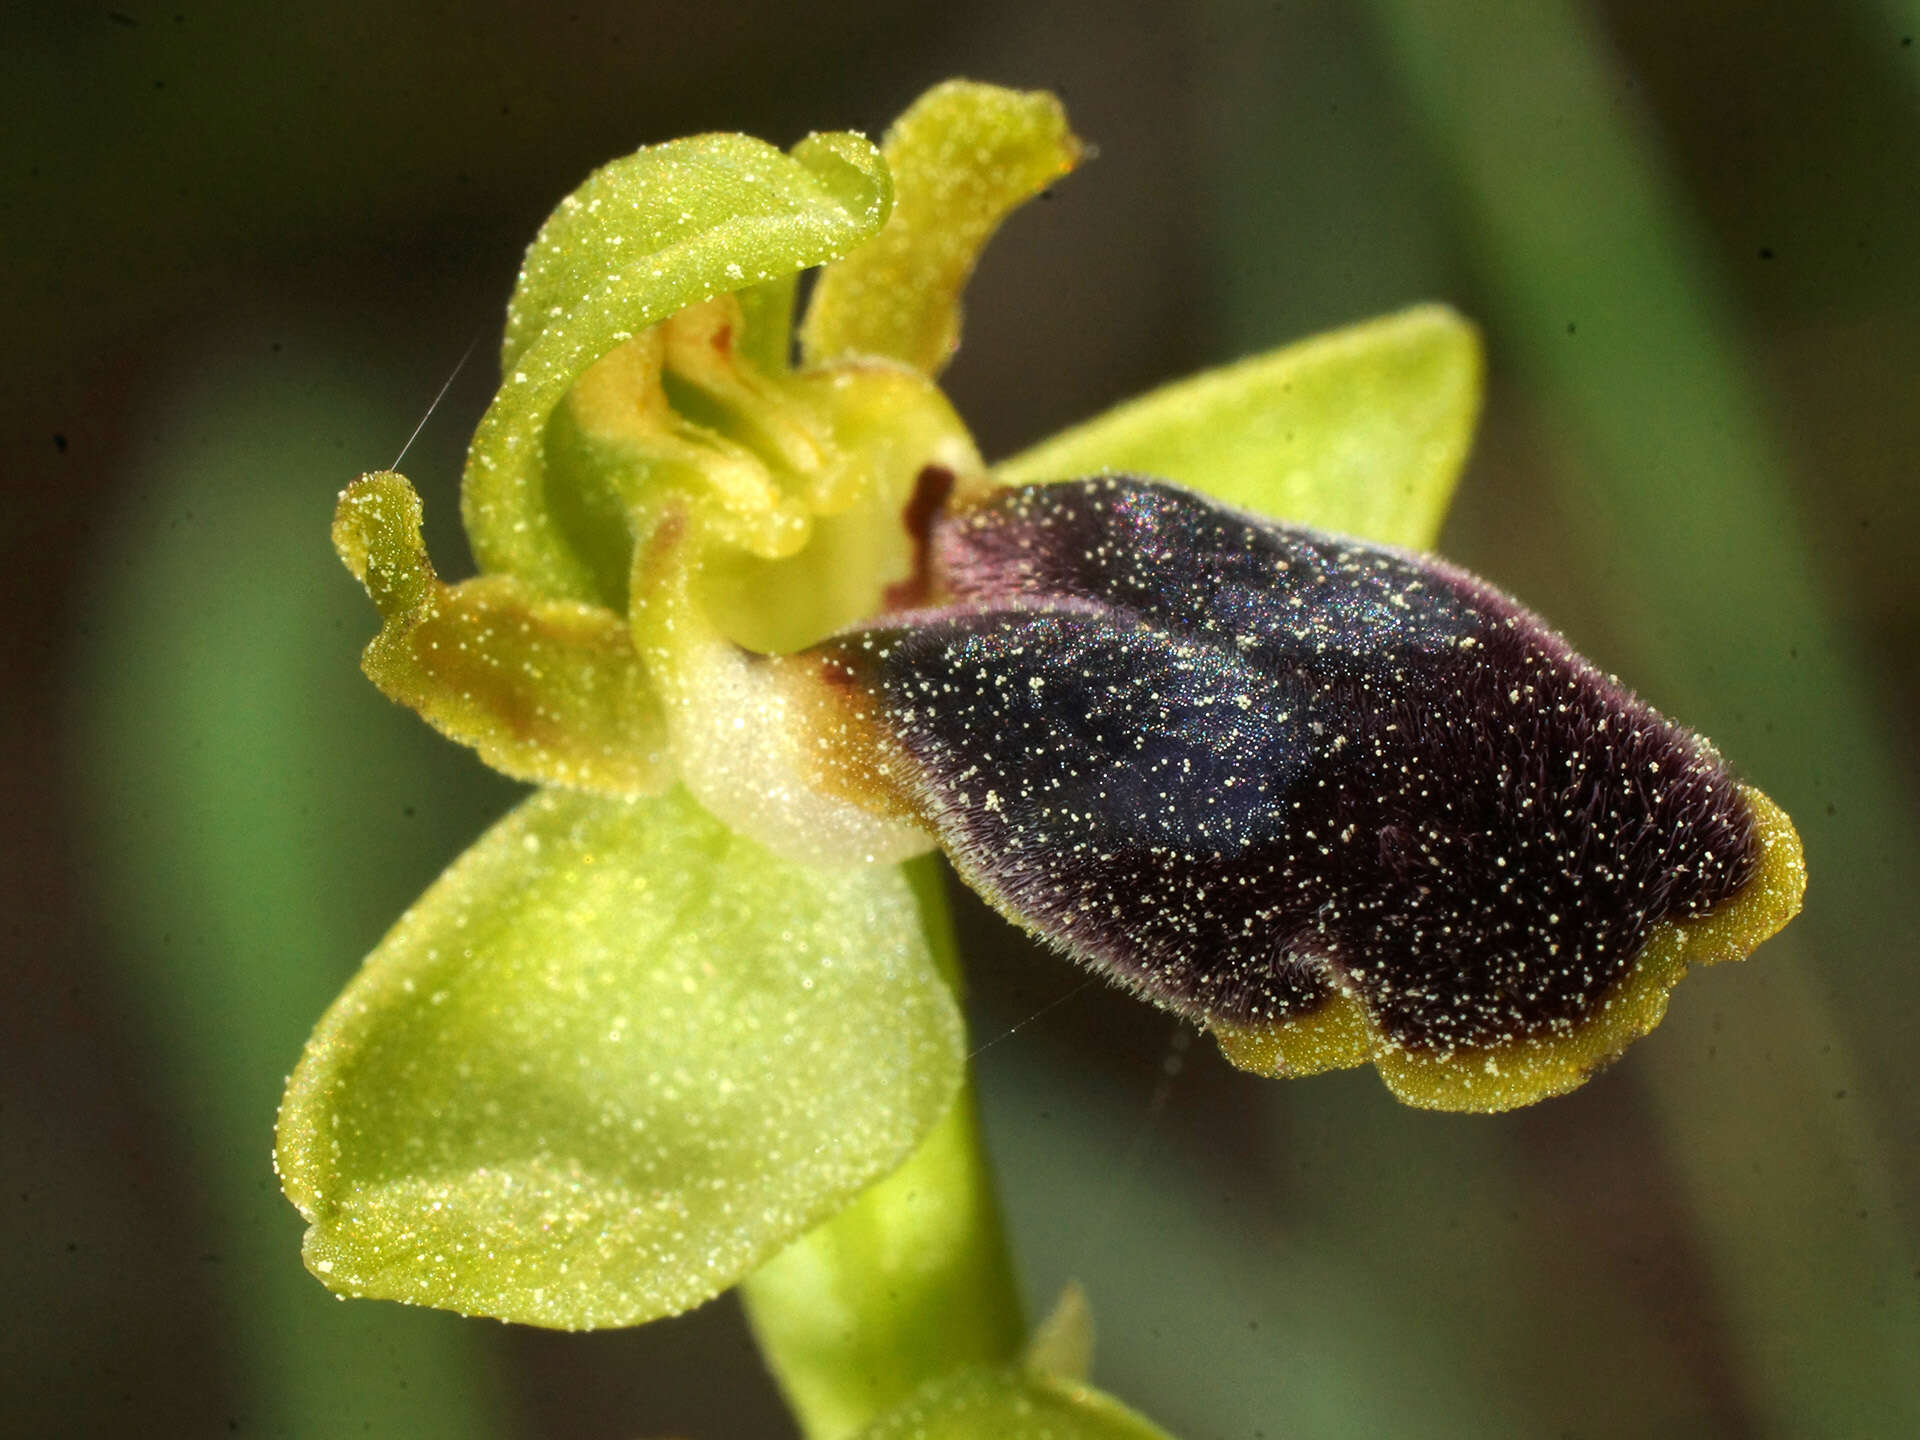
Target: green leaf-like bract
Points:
(615, 1058)
(1015, 1403)
(1361, 431)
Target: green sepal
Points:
(1362, 431)
(613, 1060)
(962, 157)
(1013, 1403)
(644, 237)
(908, 1283)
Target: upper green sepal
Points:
(1362, 431)
(615, 1058)
(644, 237)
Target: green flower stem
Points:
(1675, 424)
(911, 1282)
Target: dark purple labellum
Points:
(1252, 770)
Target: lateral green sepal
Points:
(613, 1060)
(909, 1282)
(1362, 431)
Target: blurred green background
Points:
(244, 246)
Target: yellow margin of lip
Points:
(1505, 1076)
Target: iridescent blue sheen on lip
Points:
(1244, 767)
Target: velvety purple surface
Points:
(1229, 761)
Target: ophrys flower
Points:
(763, 626)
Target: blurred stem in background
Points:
(1603, 288)
(1238, 1316)
(237, 774)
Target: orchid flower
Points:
(1176, 690)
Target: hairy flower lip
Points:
(1107, 659)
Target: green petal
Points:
(643, 237)
(543, 690)
(1361, 431)
(768, 341)
(611, 1061)
(1012, 1404)
(962, 157)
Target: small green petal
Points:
(962, 157)
(543, 690)
(614, 1059)
(1361, 431)
(644, 237)
(1012, 1404)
